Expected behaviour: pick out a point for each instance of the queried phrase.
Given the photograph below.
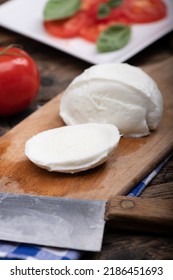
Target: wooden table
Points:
(57, 69)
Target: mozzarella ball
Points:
(114, 93)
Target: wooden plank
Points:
(131, 161)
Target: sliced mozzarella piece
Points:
(119, 94)
(73, 148)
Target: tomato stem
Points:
(5, 50)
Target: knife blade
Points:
(78, 224)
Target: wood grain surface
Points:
(129, 164)
(131, 213)
(57, 70)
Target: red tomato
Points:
(19, 80)
(67, 28)
(144, 11)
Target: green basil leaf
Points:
(113, 38)
(114, 3)
(103, 11)
(61, 9)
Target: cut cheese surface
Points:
(115, 93)
(73, 148)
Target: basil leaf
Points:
(61, 9)
(113, 38)
(114, 3)
(103, 11)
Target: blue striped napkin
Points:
(143, 184)
(11, 251)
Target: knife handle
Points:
(141, 214)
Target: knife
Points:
(78, 224)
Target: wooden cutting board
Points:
(130, 163)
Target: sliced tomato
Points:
(93, 11)
(86, 4)
(67, 28)
(87, 24)
(144, 11)
(92, 32)
(91, 4)
(117, 16)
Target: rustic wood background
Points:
(57, 69)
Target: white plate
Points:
(26, 17)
